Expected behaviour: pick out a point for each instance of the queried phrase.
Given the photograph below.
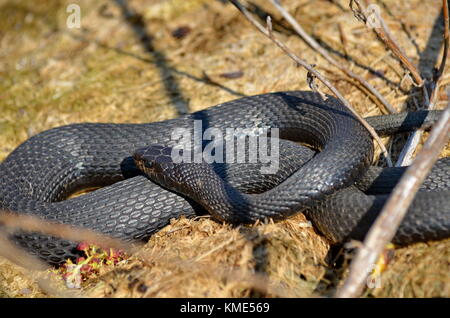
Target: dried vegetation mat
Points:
(150, 60)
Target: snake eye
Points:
(148, 164)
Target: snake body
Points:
(37, 176)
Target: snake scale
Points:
(333, 184)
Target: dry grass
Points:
(205, 259)
(15, 283)
(105, 72)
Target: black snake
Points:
(37, 176)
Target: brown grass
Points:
(104, 73)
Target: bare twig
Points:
(385, 226)
(35, 268)
(316, 46)
(446, 40)
(13, 222)
(268, 32)
(437, 79)
(19, 256)
(413, 140)
(376, 22)
(34, 224)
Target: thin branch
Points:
(385, 226)
(376, 22)
(316, 46)
(11, 222)
(437, 79)
(35, 269)
(19, 256)
(268, 32)
(446, 40)
(28, 223)
(413, 140)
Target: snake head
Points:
(172, 169)
(158, 163)
(153, 159)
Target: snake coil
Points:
(37, 177)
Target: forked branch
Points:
(413, 140)
(269, 33)
(316, 46)
(376, 22)
(386, 225)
